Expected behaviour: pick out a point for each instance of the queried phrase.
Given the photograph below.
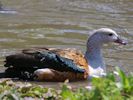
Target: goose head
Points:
(93, 53)
(105, 35)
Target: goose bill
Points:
(121, 41)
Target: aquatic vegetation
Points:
(111, 87)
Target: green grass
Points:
(105, 88)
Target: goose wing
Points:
(36, 58)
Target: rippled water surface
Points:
(66, 23)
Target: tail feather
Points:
(21, 60)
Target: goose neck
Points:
(94, 58)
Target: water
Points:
(66, 23)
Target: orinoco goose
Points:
(50, 64)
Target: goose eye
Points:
(110, 34)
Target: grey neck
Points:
(94, 57)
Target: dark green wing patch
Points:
(54, 61)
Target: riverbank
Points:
(107, 88)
